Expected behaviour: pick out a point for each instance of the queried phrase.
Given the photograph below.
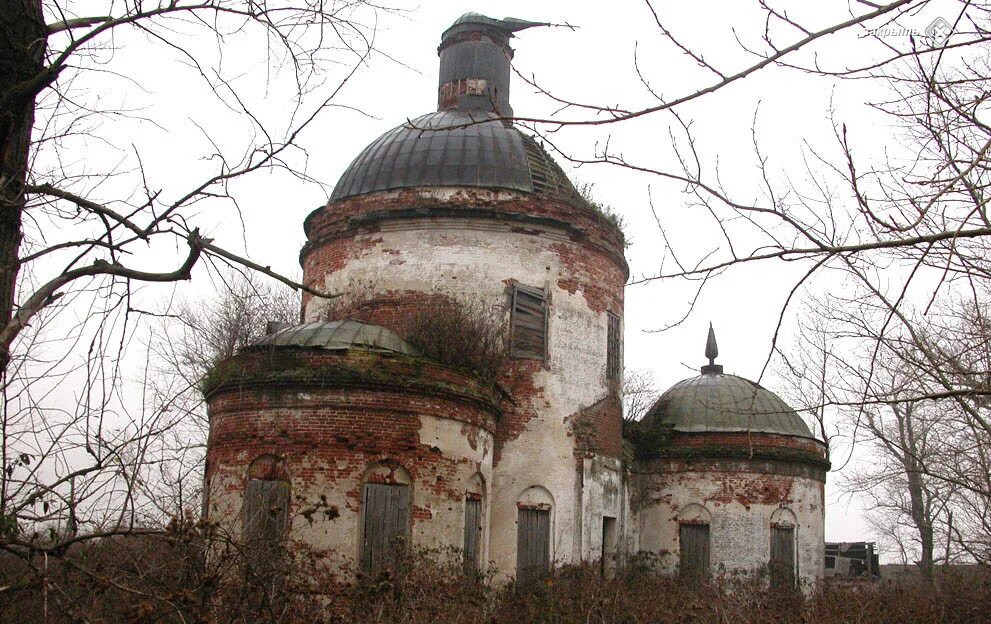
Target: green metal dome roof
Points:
(338, 336)
(717, 402)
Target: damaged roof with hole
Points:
(338, 336)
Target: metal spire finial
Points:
(711, 352)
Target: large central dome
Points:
(469, 141)
(455, 148)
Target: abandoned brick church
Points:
(339, 434)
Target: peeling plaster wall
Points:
(479, 259)
(329, 440)
(740, 501)
(604, 496)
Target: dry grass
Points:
(164, 579)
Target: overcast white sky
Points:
(592, 63)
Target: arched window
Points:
(782, 560)
(386, 499)
(693, 539)
(534, 509)
(474, 504)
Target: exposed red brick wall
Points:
(747, 440)
(601, 282)
(274, 369)
(344, 216)
(595, 250)
(599, 427)
(525, 404)
(340, 234)
(390, 309)
(336, 433)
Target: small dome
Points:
(455, 148)
(716, 402)
(338, 336)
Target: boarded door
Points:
(266, 511)
(782, 557)
(473, 534)
(694, 541)
(385, 525)
(533, 544)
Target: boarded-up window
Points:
(473, 534)
(529, 322)
(612, 347)
(384, 525)
(266, 511)
(782, 566)
(694, 542)
(266, 515)
(533, 544)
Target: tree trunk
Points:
(22, 47)
(922, 522)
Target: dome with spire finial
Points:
(718, 402)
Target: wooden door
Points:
(384, 527)
(782, 566)
(533, 544)
(694, 544)
(473, 534)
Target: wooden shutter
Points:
(782, 566)
(473, 534)
(384, 525)
(266, 510)
(529, 322)
(533, 541)
(612, 347)
(694, 542)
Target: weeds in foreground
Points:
(167, 579)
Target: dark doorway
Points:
(608, 561)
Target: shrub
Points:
(167, 578)
(463, 334)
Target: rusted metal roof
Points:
(338, 336)
(454, 148)
(716, 402)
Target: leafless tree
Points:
(639, 394)
(899, 237)
(190, 337)
(90, 217)
(920, 455)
